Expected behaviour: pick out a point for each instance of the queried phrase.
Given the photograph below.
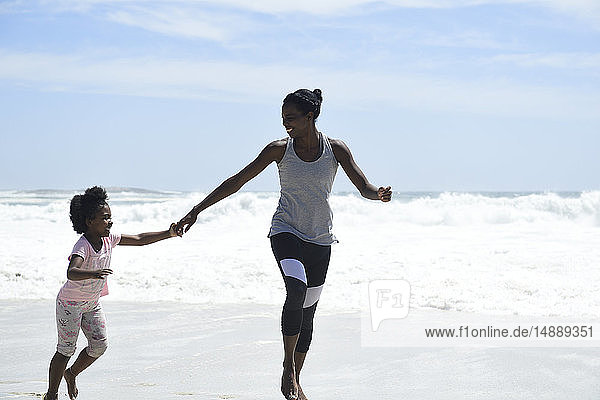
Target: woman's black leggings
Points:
(303, 266)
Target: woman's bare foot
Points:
(301, 395)
(71, 385)
(289, 387)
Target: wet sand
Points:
(185, 351)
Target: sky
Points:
(433, 95)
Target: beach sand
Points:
(186, 351)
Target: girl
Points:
(77, 303)
(301, 229)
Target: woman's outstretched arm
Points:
(272, 152)
(357, 177)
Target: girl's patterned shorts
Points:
(85, 315)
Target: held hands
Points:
(186, 222)
(384, 193)
(173, 230)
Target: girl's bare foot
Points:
(71, 385)
(289, 387)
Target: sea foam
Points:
(520, 253)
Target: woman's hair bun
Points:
(319, 94)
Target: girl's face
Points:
(101, 223)
(295, 122)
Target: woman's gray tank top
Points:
(304, 202)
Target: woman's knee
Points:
(295, 293)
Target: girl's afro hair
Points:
(85, 206)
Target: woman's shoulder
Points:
(339, 148)
(337, 144)
(279, 143)
(273, 151)
(277, 148)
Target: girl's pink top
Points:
(90, 289)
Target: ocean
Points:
(532, 254)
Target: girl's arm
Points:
(357, 177)
(143, 239)
(74, 272)
(272, 152)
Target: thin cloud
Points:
(227, 81)
(224, 21)
(580, 61)
(588, 10)
(190, 23)
(14, 7)
(581, 8)
(468, 39)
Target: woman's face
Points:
(295, 122)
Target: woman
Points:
(301, 230)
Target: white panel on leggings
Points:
(293, 268)
(312, 295)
